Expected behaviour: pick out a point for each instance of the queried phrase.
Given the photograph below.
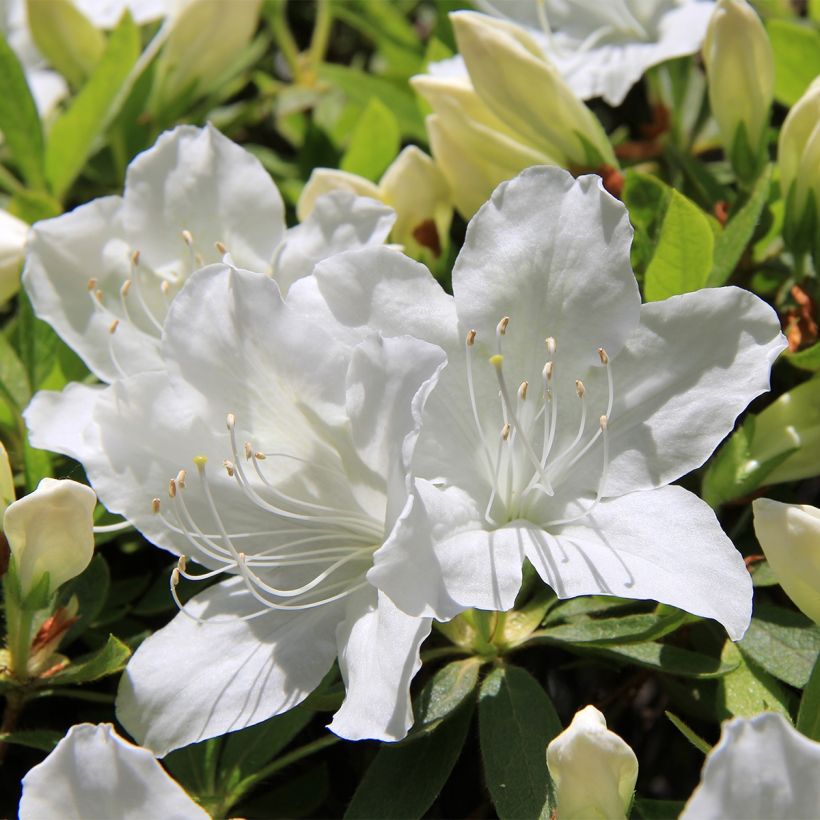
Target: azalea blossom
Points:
(604, 48)
(565, 410)
(93, 772)
(785, 765)
(278, 453)
(104, 275)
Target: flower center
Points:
(535, 449)
(313, 554)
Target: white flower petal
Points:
(550, 252)
(688, 370)
(785, 783)
(339, 221)
(94, 773)
(439, 560)
(665, 545)
(190, 681)
(378, 656)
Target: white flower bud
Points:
(593, 769)
(798, 154)
(790, 537)
(6, 480)
(13, 232)
(740, 69)
(51, 530)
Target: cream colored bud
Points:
(6, 480)
(740, 71)
(13, 232)
(593, 769)
(790, 537)
(798, 154)
(51, 530)
(522, 87)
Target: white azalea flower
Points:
(604, 48)
(296, 445)
(558, 424)
(105, 274)
(785, 765)
(94, 773)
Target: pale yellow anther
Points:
(551, 346)
(259, 455)
(155, 504)
(220, 248)
(99, 295)
(200, 462)
(497, 360)
(114, 325)
(241, 557)
(126, 286)
(92, 283)
(248, 451)
(135, 258)
(471, 334)
(172, 488)
(501, 327)
(522, 390)
(231, 421)
(198, 260)
(165, 287)
(602, 356)
(180, 479)
(188, 238)
(603, 421)
(579, 388)
(505, 431)
(547, 372)
(229, 468)
(182, 563)
(174, 577)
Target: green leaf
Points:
(808, 717)
(404, 780)
(75, 132)
(808, 359)
(693, 737)
(796, 50)
(91, 590)
(374, 143)
(738, 233)
(516, 721)
(19, 120)
(645, 809)
(705, 186)
(360, 87)
(107, 661)
(43, 739)
(37, 343)
(13, 377)
(641, 627)
(683, 258)
(66, 38)
(671, 660)
(762, 574)
(748, 690)
(783, 642)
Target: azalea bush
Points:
(410, 409)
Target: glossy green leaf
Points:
(796, 50)
(66, 38)
(374, 143)
(73, 136)
(643, 627)
(19, 120)
(738, 233)
(808, 359)
(90, 588)
(516, 722)
(683, 257)
(403, 781)
(446, 692)
(808, 717)
(13, 377)
(748, 690)
(783, 642)
(671, 660)
(107, 661)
